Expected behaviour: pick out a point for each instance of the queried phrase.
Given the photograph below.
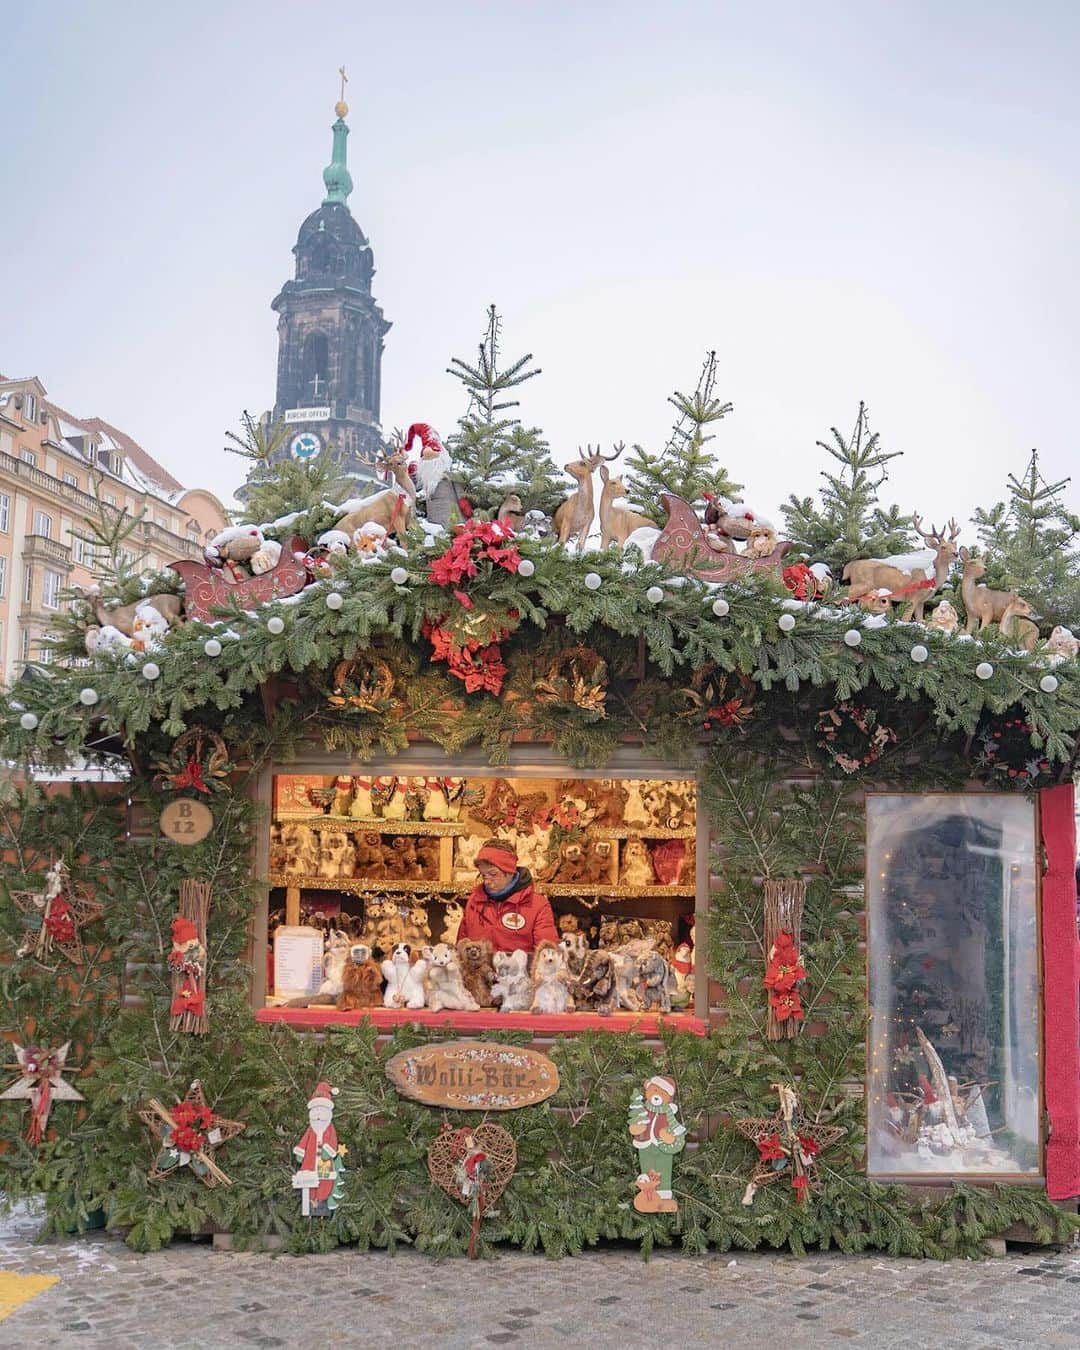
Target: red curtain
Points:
(1061, 992)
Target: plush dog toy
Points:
(404, 975)
(443, 985)
(512, 989)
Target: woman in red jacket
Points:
(505, 908)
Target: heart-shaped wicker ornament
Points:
(445, 1153)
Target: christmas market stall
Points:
(466, 879)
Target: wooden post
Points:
(784, 897)
(292, 906)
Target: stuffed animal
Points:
(452, 917)
(383, 791)
(265, 558)
(335, 958)
(1062, 642)
(635, 813)
(655, 976)
(607, 799)
(148, 627)
(578, 862)
(427, 855)
(455, 789)
(360, 806)
(394, 799)
(105, 638)
(636, 869)
(443, 985)
(682, 967)
(334, 543)
(416, 796)
(944, 618)
(404, 975)
(670, 806)
(599, 985)
(477, 971)
(436, 806)
(418, 925)
(401, 860)
(370, 861)
(370, 541)
(301, 846)
(625, 965)
(667, 860)
(575, 948)
(343, 790)
(336, 857)
(467, 846)
(762, 540)
(512, 990)
(551, 990)
(361, 980)
(233, 550)
(570, 923)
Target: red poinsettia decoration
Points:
(787, 1007)
(785, 969)
(478, 665)
(476, 542)
(800, 1184)
(809, 1148)
(802, 583)
(770, 1149)
(192, 1120)
(59, 921)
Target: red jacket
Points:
(520, 922)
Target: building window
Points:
(27, 456)
(82, 551)
(71, 480)
(3, 576)
(110, 499)
(953, 963)
(43, 524)
(45, 653)
(30, 408)
(24, 647)
(50, 590)
(28, 586)
(5, 512)
(193, 531)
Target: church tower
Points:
(330, 330)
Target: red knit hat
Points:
(429, 437)
(323, 1093)
(183, 930)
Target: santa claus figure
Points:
(320, 1158)
(432, 472)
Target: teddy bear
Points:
(551, 988)
(579, 862)
(443, 985)
(401, 860)
(427, 855)
(369, 856)
(301, 848)
(452, 917)
(403, 972)
(361, 980)
(512, 989)
(477, 970)
(656, 980)
(336, 857)
(607, 799)
(417, 925)
(636, 868)
(241, 551)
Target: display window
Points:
(473, 900)
(953, 964)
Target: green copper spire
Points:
(336, 175)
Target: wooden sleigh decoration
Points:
(682, 543)
(208, 588)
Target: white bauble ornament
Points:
(212, 647)
(984, 670)
(786, 623)
(334, 600)
(720, 607)
(399, 576)
(919, 653)
(1047, 684)
(526, 567)
(28, 721)
(88, 697)
(593, 581)
(853, 637)
(151, 670)
(654, 595)
(275, 625)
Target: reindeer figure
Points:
(868, 575)
(574, 518)
(617, 523)
(986, 605)
(394, 506)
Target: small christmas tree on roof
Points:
(1030, 545)
(850, 523)
(276, 485)
(494, 455)
(684, 466)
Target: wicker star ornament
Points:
(41, 1082)
(54, 916)
(188, 1135)
(787, 1145)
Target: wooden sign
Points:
(186, 822)
(474, 1075)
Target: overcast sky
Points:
(846, 200)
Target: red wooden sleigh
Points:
(208, 588)
(683, 544)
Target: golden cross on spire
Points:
(342, 108)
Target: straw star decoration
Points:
(188, 1135)
(787, 1145)
(41, 1082)
(54, 916)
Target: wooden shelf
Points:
(640, 832)
(356, 885)
(490, 1019)
(432, 828)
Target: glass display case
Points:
(953, 966)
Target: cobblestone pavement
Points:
(192, 1296)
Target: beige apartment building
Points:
(53, 465)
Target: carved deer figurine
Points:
(1016, 625)
(875, 574)
(393, 507)
(617, 522)
(170, 607)
(983, 604)
(574, 518)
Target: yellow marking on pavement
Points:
(15, 1290)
